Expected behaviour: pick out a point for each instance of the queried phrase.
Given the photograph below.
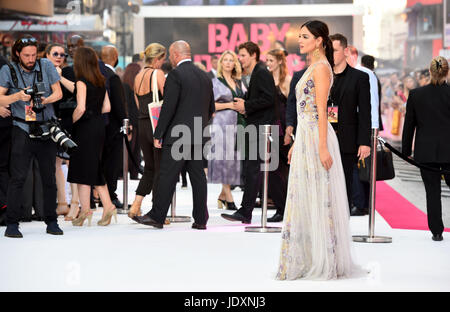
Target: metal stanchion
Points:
(371, 238)
(264, 228)
(173, 217)
(125, 130)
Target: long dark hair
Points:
(130, 74)
(85, 65)
(320, 29)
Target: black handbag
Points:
(385, 166)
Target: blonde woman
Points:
(428, 116)
(154, 55)
(224, 165)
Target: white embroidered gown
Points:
(316, 240)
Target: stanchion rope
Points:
(411, 161)
(133, 160)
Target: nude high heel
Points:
(106, 220)
(73, 212)
(221, 203)
(80, 220)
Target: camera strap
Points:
(13, 74)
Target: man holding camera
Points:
(29, 87)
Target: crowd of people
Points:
(322, 117)
(395, 92)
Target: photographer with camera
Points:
(29, 87)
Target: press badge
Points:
(30, 114)
(333, 114)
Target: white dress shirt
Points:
(374, 98)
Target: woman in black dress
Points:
(155, 55)
(88, 132)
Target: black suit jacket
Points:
(118, 104)
(188, 93)
(354, 116)
(291, 105)
(428, 114)
(260, 98)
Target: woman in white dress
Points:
(316, 241)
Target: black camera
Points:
(36, 91)
(52, 129)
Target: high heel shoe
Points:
(80, 220)
(62, 209)
(106, 220)
(221, 203)
(135, 210)
(231, 206)
(73, 212)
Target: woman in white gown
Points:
(316, 241)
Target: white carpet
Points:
(132, 257)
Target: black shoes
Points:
(53, 228)
(437, 238)
(359, 212)
(277, 217)
(231, 206)
(12, 230)
(198, 226)
(237, 216)
(116, 202)
(146, 220)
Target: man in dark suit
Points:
(259, 109)
(428, 116)
(5, 144)
(113, 147)
(214, 62)
(187, 109)
(351, 94)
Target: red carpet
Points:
(398, 212)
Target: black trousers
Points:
(168, 176)
(136, 152)
(112, 159)
(22, 151)
(277, 186)
(348, 163)
(5, 147)
(152, 158)
(432, 183)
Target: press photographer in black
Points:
(29, 87)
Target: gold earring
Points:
(316, 54)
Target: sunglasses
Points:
(56, 54)
(28, 40)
